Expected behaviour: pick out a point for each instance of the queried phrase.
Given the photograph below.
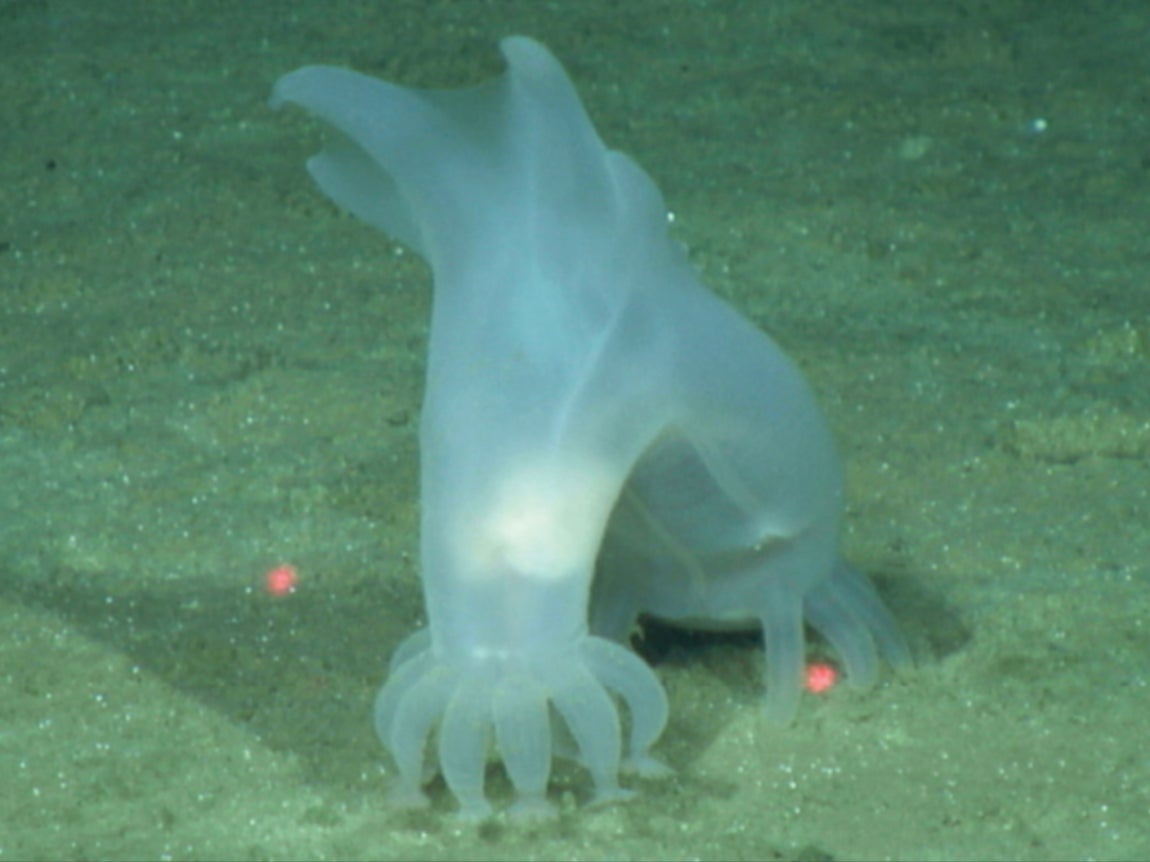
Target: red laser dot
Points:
(820, 677)
(281, 580)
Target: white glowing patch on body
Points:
(545, 522)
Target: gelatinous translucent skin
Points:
(600, 437)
